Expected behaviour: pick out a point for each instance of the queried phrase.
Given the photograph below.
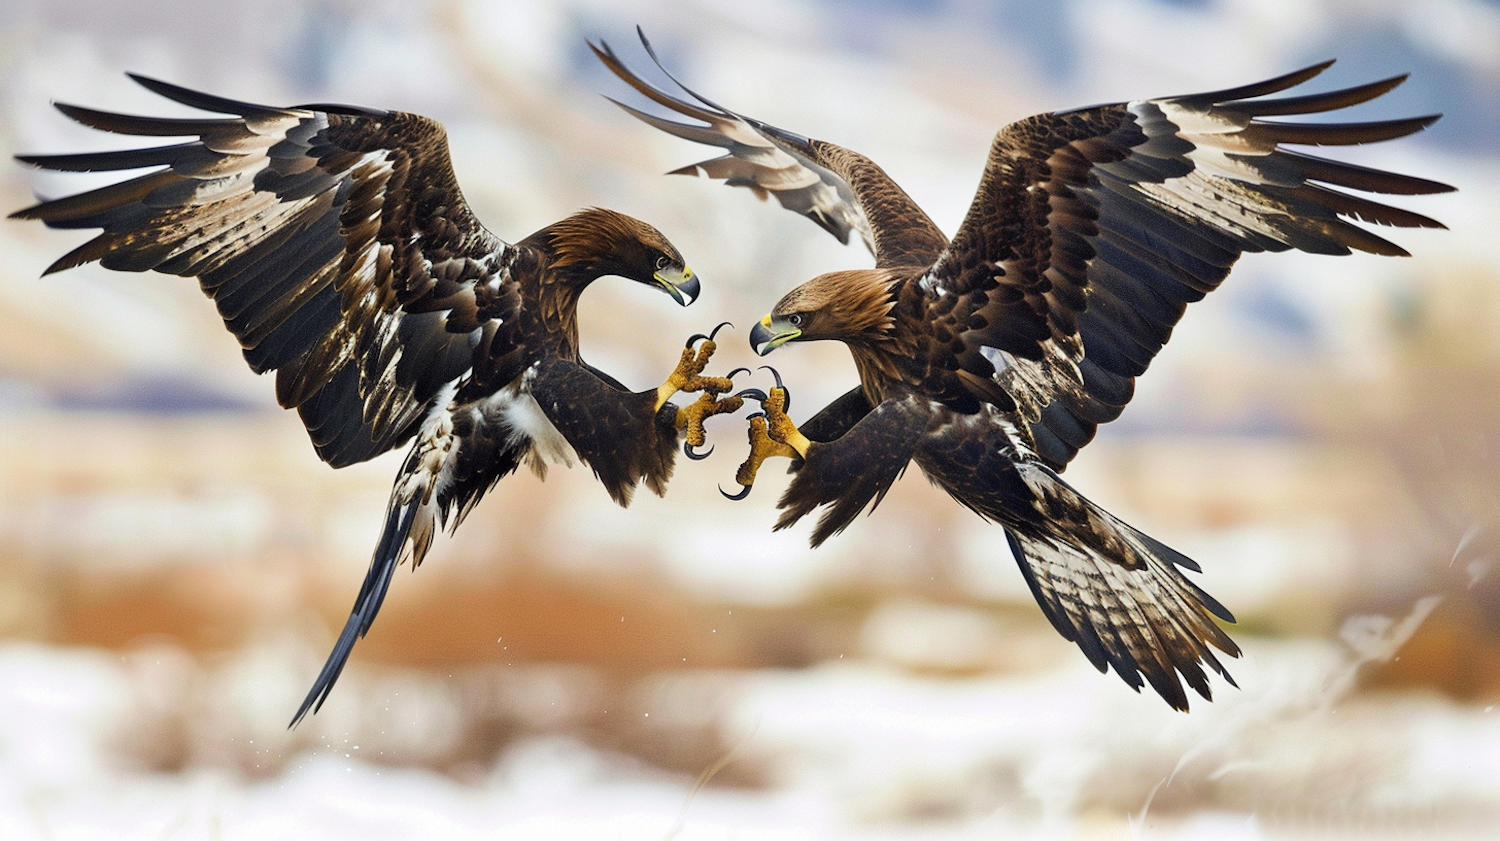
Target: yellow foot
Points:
(690, 418)
(772, 433)
(779, 427)
(688, 374)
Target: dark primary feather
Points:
(1090, 233)
(1093, 229)
(324, 238)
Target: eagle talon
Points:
(780, 386)
(697, 337)
(736, 497)
(687, 450)
(688, 375)
(779, 427)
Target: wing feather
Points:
(840, 190)
(333, 240)
(1093, 229)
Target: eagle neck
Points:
(878, 364)
(883, 354)
(575, 252)
(552, 294)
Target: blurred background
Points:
(175, 562)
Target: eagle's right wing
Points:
(334, 241)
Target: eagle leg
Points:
(772, 433)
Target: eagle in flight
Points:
(339, 251)
(991, 358)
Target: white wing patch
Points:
(1217, 191)
(517, 411)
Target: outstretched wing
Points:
(839, 189)
(1092, 230)
(334, 241)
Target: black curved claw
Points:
(696, 337)
(687, 450)
(731, 375)
(779, 384)
(744, 492)
(753, 394)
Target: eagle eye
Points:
(661, 262)
(795, 319)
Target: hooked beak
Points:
(681, 283)
(770, 334)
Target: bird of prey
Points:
(991, 358)
(339, 251)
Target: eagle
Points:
(991, 358)
(341, 254)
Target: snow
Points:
(850, 750)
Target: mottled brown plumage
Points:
(990, 360)
(340, 252)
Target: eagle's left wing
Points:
(1093, 229)
(859, 466)
(839, 189)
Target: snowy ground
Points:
(843, 750)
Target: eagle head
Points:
(597, 242)
(850, 306)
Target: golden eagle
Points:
(342, 255)
(991, 358)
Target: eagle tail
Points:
(1119, 594)
(410, 518)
